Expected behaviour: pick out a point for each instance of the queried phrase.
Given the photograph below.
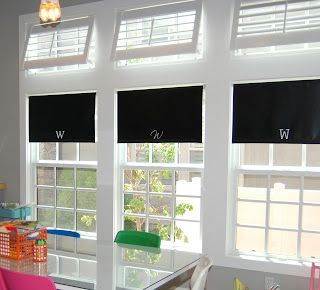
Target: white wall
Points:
(9, 91)
(217, 70)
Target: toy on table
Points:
(238, 285)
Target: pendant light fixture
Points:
(49, 11)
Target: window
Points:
(65, 185)
(65, 44)
(156, 31)
(161, 191)
(278, 199)
(274, 26)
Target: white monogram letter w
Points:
(284, 133)
(60, 134)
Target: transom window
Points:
(275, 26)
(161, 191)
(159, 32)
(65, 46)
(278, 199)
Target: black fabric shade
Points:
(160, 115)
(277, 112)
(62, 118)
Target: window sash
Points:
(269, 171)
(188, 45)
(280, 31)
(53, 59)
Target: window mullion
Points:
(147, 200)
(300, 217)
(174, 205)
(267, 229)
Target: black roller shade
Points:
(62, 118)
(160, 115)
(277, 112)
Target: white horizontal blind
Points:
(273, 22)
(67, 43)
(157, 31)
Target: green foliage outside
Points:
(86, 179)
(159, 205)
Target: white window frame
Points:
(268, 171)
(147, 167)
(160, 50)
(62, 60)
(54, 164)
(271, 38)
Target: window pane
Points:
(188, 183)
(46, 217)
(160, 205)
(187, 233)
(287, 154)
(313, 155)
(191, 153)
(311, 218)
(310, 245)
(86, 178)
(283, 243)
(161, 181)
(67, 151)
(65, 219)
(134, 224)
(251, 213)
(252, 187)
(284, 216)
(86, 222)
(45, 196)
(88, 151)
(188, 208)
(65, 244)
(65, 177)
(47, 151)
(161, 228)
(138, 152)
(45, 176)
(134, 203)
(86, 199)
(285, 188)
(134, 180)
(65, 198)
(311, 192)
(254, 154)
(250, 239)
(163, 152)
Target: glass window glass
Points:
(287, 154)
(251, 213)
(67, 151)
(88, 151)
(254, 154)
(86, 178)
(134, 180)
(47, 151)
(283, 243)
(65, 177)
(252, 187)
(250, 239)
(86, 199)
(46, 196)
(45, 176)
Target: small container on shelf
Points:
(40, 251)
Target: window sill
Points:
(267, 264)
